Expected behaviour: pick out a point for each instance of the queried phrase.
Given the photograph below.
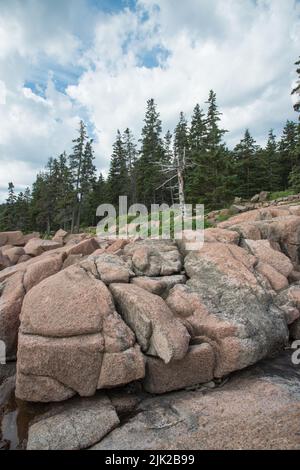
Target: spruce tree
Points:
(272, 163)
(40, 203)
(118, 179)
(131, 160)
(246, 166)
(195, 175)
(214, 184)
(181, 139)
(9, 221)
(76, 159)
(83, 170)
(65, 193)
(149, 174)
(286, 148)
(294, 175)
(296, 90)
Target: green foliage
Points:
(278, 194)
(68, 191)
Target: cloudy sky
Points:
(100, 60)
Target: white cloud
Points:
(243, 50)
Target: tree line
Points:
(67, 193)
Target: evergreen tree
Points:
(9, 221)
(181, 140)
(296, 90)
(88, 179)
(98, 195)
(149, 174)
(83, 170)
(272, 163)
(195, 177)
(215, 182)
(22, 211)
(76, 159)
(118, 178)
(286, 148)
(295, 172)
(41, 204)
(246, 166)
(294, 177)
(65, 193)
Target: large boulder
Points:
(36, 246)
(15, 238)
(160, 285)
(239, 415)
(11, 297)
(73, 361)
(14, 254)
(226, 302)
(43, 268)
(112, 268)
(84, 247)
(59, 236)
(220, 235)
(154, 257)
(263, 250)
(279, 225)
(78, 425)
(157, 330)
(196, 367)
(119, 368)
(4, 261)
(71, 333)
(71, 303)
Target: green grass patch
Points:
(279, 194)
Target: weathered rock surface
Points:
(70, 303)
(158, 331)
(109, 307)
(229, 291)
(84, 247)
(196, 367)
(41, 269)
(154, 257)
(12, 238)
(119, 368)
(4, 261)
(72, 334)
(221, 235)
(257, 409)
(59, 236)
(36, 246)
(112, 268)
(281, 225)
(11, 297)
(14, 254)
(266, 254)
(159, 285)
(79, 425)
(75, 361)
(37, 388)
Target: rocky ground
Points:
(258, 408)
(106, 332)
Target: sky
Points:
(100, 60)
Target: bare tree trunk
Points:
(78, 215)
(181, 184)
